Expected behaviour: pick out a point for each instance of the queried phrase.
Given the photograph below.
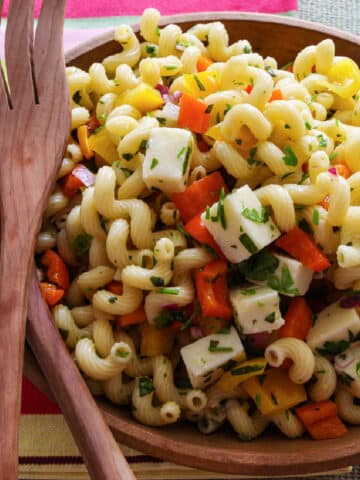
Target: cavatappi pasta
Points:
(200, 251)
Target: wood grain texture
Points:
(33, 138)
(97, 445)
(282, 38)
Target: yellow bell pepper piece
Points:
(100, 143)
(155, 341)
(240, 373)
(201, 84)
(274, 391)
(344, 78)
(143, 97)
(214, 132)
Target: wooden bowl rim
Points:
(247, 459)
(107, 36)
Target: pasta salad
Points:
(200, 252)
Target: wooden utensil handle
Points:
(15, 257)
(103, 457)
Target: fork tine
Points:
(18, 49)
(48, 51)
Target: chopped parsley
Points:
(153, 164)
(308, 126)
(146, 386)
(199, 83)
(122, 353)
(316, 216)
(251, 159)
(258, 400)
(161, 120)
(168, 291)
(186, 160)
(248, 243)
(274, 399)
(157, 281)
(170, 67)
(247, 49)
(183, 384)
(290, 158)
(284, 283)
(333, 155)
(112, 299)
(248, 291)
(77, 97)
(150, 49)
(220, 211)
(255, 216)
(270, 318)
(215, 348)
(322, 140)
(247, 369)
(181, 152)
(127, 156)
(259, 266)
(357, 369)
(81, 244)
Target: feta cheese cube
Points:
(347, 366)
(256, 309)
(333, 325)
(290, 278)
(167, 159)
(240, 224)
(205, 357)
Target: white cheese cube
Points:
(240, 224)
(256, 309)
(347, 366)
(167, 159)
(291, 277)
(205, 357)
(332, 325)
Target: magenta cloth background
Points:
(110, 8)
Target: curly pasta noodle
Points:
(160, 274)
(246, 426)
(281, 203)
(137, 367)
(83, 315)
(325, 380)
(194, 400)
(89, 216)
(102, 333)
(109, 207)
(183, 290)
(146, 413)
(99, 368)
(288, 424)
(169, 214)
(67, 327)
(97, 253)
(346, 408)
(117, 391)
(303, 359)
(249, 116)
(130, 50)
(212, 420)
(114, 304)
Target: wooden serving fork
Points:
(34, 127)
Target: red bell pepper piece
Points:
(200, 233)
(299, 245)
(199, 195)
(298, 320)
(193, 114)
(212, 290)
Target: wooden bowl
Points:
(271, 454)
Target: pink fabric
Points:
(109, 8)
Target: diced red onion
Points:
(258, 341)
(163, 89)
(84, 174)
(333, 171)
(176, 96)
(350, 301)
(341, 363)
(196, 332)
(171, 306)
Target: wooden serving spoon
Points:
(34, 125)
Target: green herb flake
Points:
(316, 216)
(247, 369)
(274, 399)
(81, 244)
(308, 126)
(333, 155)
(290, 158)
(287, 415)
(112, 299)
(170, 67)
(322, 141)
(150, 49)
(255, 216)
(122, 353)
(127, 156)
(209, 108)
(199, 83)
(258, 400)
(248, 291)
(333, 348)
(357, 368)
(168, 291)
(181, 152)
(248, 243)
(227, 108)
(143, 145)
(153, 164)
(157, 281)
(260, 266)
(146, 386)
(346, 379)
(183, 384)
(247, 49)
(161, 120)
(215, 348)
(126, 172)
(251, 159)
(270, 318)
(186, 160)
